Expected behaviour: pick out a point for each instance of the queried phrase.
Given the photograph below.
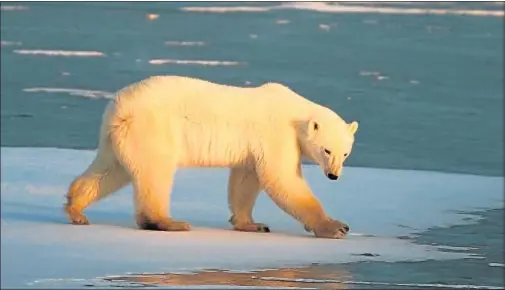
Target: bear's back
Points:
(201, 99)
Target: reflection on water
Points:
(281, 278)
(317, 276)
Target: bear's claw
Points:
(248, 226)
(252, 227)
(76, 217)
(82, 221)
(332, 229)
(265, 229)
(168, 225)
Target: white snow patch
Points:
(378, 204)
(10, 43)
(282, 21)
(495, 265)
(185, 43)
(13, 7)
(324, 27)
(343, 8)
(73, 92)
(60, 52)
(224, 9)
(369, 73)
(195, 62)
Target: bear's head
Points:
(328, 142)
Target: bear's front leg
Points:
(243, 190)
(290, 192)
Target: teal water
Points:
(426, 89)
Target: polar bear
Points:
(262, 133)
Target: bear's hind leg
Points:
(152, 171)
(150, 159)
(243, 190)
(103, 177)
(152, 202)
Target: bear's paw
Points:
(330, 229)
(165, 224)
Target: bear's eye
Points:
(327, 151)
(345, 154)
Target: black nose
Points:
(332, 176)
(346, 228)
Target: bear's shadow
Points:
(40, 214)
(16, 211)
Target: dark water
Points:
(427, 89)
(486, 236)
(453, 114)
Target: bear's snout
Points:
(332, 176)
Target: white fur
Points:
(164, 122)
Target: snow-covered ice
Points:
(380, 205)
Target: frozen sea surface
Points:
(380, 205)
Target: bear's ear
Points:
(353, 127)
(312, 128)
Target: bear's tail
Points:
(143, 144)
(138, 130)
(104, 176)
